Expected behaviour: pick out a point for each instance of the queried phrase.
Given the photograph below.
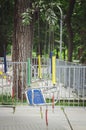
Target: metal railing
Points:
(15, 71)
(70, 80)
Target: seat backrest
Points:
(35, 97)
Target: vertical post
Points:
(41, 112)
(61, 13)
(46, 115)
(39, 67)
(51, 54)
(29, 73)
(54, 70)
(53, 102)
(61, 36)
(5, 63)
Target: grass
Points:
(68, 102)
(8, 100)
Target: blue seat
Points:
(35, 97)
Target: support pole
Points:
(53, 102)
(50, 65)
(5, 63)
(46, 116)
(61, 13)
(29, 73)
(39, 67)
(41, 112)
(54, 70)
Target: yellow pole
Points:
(39, 67)
(54, 70)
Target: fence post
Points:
(39, 67)
(54, 70)
(28, 72)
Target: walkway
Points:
(29, 118)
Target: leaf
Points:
(26, 18)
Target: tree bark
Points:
(69, 28)
(22, 44)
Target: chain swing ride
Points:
(38, 96)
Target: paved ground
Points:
(29, 118)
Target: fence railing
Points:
(70, 80)
(14, 78)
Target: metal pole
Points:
(29, 72)
(60, 31)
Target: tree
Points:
(6, 22)
(81, 30)
(25, 15)
(22, 42)
(69, 28)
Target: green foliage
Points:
(8, 52)
(83, 57)
(6, 23)
(79, 29)
(48, 13)
(6, 99)
(26, 18)
(51, 17)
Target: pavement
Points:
(31, 118)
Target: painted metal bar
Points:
(54, 70)
(39, 67)
(29, 73)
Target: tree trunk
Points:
(69, 29)
(22, 44)
(70, 41)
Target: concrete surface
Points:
(29, 118)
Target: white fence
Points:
(70, 80)
(15, 71)
(72, 76)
